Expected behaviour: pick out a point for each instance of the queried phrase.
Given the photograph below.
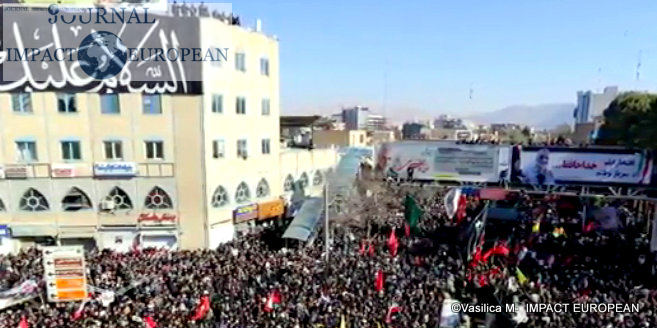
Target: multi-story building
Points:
(132, 168)
(591, 105)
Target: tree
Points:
(631, 120)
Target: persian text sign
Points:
(115, 169)
(553, 166)
(65, 273)
(246, 213)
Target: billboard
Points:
(553, 166)
(443, 160)
(65, 273)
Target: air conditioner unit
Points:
(107, 205)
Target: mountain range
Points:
(544, 116)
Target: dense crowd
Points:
(576, 265)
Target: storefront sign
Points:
(65, 273)
(15, 171)
(63, 171)
(115, 169)
(271, 209)
(156, 218)
(4, 231)
(246, 213)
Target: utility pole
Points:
(326, 220)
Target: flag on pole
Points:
(391, 311)
(23, 323)
(451, 201)
(78, 313)
(475, 233)
(150, 323)
(460, 212)
(537, 226)
(393, 244)
(378, 281)
(273, 300)
(412, 213)
(343, 323)
(202, 309)
(522, 279)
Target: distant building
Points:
(381, 136)
(360, 118)
(340, 138)
(591, 105)
(375, 122)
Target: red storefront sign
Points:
(156, 218)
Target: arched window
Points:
(242, 195)
(117, 199)
(303, 180)
(158, 199)
(263, 189)
(220, 197)
(76, 200)
(289, 183)
(317, 178)
(33, 201)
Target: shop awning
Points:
(77, 232)
(305, 222)
(33, 230)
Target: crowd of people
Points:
(547, 257)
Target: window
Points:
(218, 149)
(220, 197)
(264, 66)
(240, 62)
(263, 189)
(217, 61)
(241, 148)
(33, 201)
(76, 200)
(217, 104)
(113, 149)
(116, 199)
(289, 183)
(158, 199)
(242, 195)
(151, 104)
(71, 150)
(265, 106)
(303, 180)
(265, 146)
(26, 151)
(21, 102)
(317, 178)
(154, 149)
(66, 103)
(240, 105)
(109, 104)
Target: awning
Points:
(34, 230)
(159, 232)
(77, 232)
(306, 220)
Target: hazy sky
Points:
(431, 53)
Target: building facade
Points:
(128, 169)
(591, 105)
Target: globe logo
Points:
(53, 9)
(102, 55)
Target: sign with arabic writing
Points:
(549, 166)
(246, 213)
(443, 161)
(54, 51)
(115, 169)
(65, 273)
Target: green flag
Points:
(412, 212)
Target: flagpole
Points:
(326, 220)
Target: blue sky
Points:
(339, 52)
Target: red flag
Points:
(78, 314)
(362, 248)
(23, 323)
(273, 300)
(150, 323)
(589, 227)
(393, 244)
(371, 250)
(378, 284)
(407, 230)
(501, 250)
(460, 212)
(392, 310)
(202, 309)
